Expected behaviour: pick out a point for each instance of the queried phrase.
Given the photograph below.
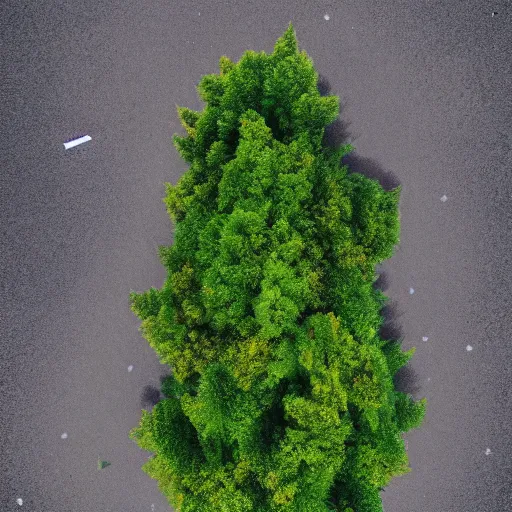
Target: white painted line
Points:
(76, 142)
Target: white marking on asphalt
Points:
(444, 199)
(469, 348)
(411, 290)
(64, 436)
(327, 17)
(130, 368)
(19, 501)
(76, 142)
(425, 338)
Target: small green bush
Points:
(282, 395)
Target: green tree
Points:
(281, 397)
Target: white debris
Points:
(469, 348)
(428, 379)
(152, 507)
(444, 199)
(64, 435)
(493, 14)
(199, 14)
(130, 368)
(327, 17)
(76, 142)
(425, 338)
(411, 290)
(19, 501)
(488, 451)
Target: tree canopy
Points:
(281, 396)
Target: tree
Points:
(281, 396)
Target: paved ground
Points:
(426, 89)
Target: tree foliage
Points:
(282, 396)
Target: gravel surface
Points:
(426, 94)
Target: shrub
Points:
(281, 396)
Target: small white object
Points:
(76, 142)
(327, 17)
(64, 435)
(488, 451)
(130, 368)
(199, 14)
(444, 199)
(19, 501)
(411, 290)
(428, 379)
(493, 14)
(425, 338)
(152, 506)
(469, 348)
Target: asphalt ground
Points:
(425, 89)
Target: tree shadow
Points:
(337, 134)
(371, 169)
(382, 282)
(391, 328)
(323, 85)
(406, 380)
(150, 396)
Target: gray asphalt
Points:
(426, 93)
